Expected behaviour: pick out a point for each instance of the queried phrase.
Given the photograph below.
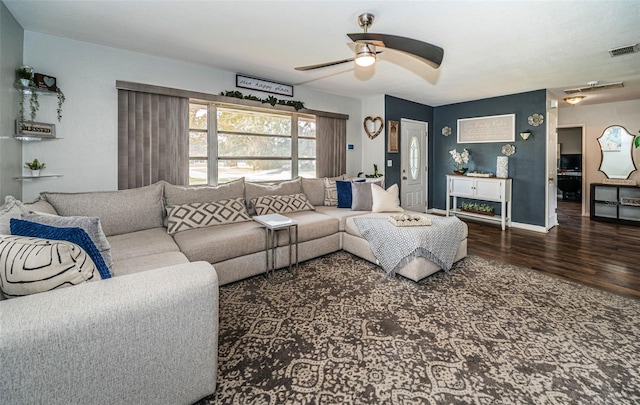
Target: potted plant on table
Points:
(35, 167)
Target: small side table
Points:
(272, 224)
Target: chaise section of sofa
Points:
(149, 337)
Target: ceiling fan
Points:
(366, 45)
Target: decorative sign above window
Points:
(495, 128)
(253, 83)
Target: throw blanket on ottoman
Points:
(394, 247)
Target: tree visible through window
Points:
(250, 143)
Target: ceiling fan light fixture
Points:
(574, 100)
(365, 54)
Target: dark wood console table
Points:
(615, 203)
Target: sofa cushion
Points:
(178, 195)
(91, 225)
(311, 225)
(200, 215)
(385, 200)
(223, 242)
(40, 206)
(281, 204)
(255, 190)
(361, 195)
(314, 190)
(78, 236)
(148, 262)
(141, 243)
(33, 265)
(11, 208)
(340, 214)
(121, 211)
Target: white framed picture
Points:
(493, 128)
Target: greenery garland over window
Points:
(298, 105)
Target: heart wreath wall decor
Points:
(370, 126)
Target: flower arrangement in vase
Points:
(460, 160)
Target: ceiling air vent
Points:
(623, 50)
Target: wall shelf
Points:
(33, 138)
(43, 176)
(31, 89)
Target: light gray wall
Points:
(87, 73)
(11, 44)
(571, 140)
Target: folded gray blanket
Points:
(394, 247)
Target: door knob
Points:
(404, 177)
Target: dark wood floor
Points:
(597, 254)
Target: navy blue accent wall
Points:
(395, 109)
(527, 167)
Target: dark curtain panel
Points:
(331, 146)
(153, 139)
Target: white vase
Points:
(35, 173)
(24, 82)
(502, 167)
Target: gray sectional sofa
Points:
(151, 336)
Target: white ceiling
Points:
(491, 48)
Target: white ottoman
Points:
(416, 270)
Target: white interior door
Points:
(413, 136)
(552, 169)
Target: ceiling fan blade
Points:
(322, 65)
(430, 54)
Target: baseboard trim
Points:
(519, 225)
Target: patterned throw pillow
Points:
(281, 204)
(78, 236)
(33, 265)
(330, 193)
(201, 215)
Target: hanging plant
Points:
(61, 99)
(297, 105)
(34, 104)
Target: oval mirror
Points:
(616, 147)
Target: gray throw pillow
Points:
(361, 195)
(178, 195)
(11, 208)
(121, 211)
(314, 190)
(90, 224)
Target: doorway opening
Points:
(570, 167)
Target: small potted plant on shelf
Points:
(24, 75)
(35, 167)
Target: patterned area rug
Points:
(344, 333)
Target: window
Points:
(198, 144)
(250, 143)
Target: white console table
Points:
(480, 188)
